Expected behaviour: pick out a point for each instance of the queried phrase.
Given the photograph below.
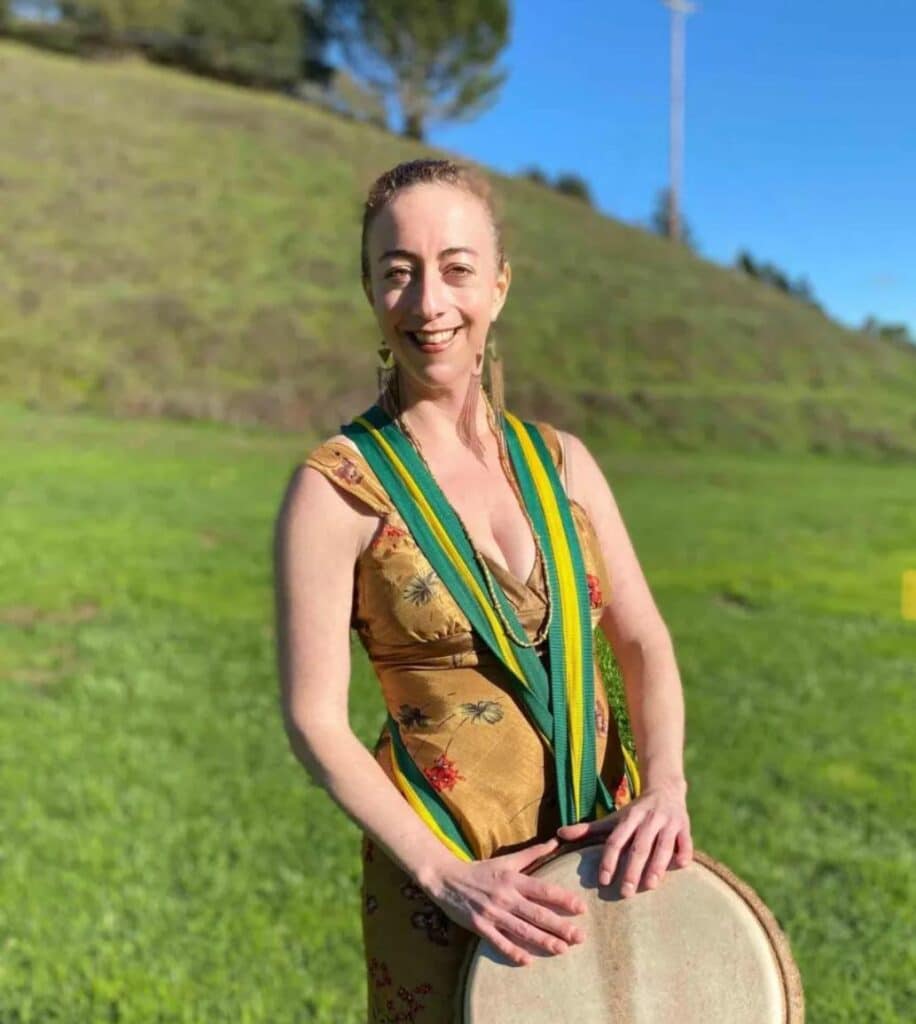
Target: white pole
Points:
(678, 8)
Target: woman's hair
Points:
(421, 172)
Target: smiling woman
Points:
(474, 553)
(431, 300)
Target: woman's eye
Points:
(397, 270)
(464, 270)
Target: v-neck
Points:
(494, 566)
(509, 473)
(501, 570)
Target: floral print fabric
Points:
(454, 707)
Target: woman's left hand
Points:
(658, 824)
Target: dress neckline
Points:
(505, 573)
(494, 566)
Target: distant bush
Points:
(568, 183)
(234, 40)
(268, 44)
(536, 175)
(575, 186)
(772, 275)
(660, 221)
(60, 37)
(896, 332)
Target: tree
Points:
(115, 21)
(572, 185)
(772, 275)
(252, 43)
(660, 221)
(433, 58)
(322, 22)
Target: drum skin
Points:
(702, 948)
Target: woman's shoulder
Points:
(339, 460)
(575, 464)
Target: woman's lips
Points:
(432, 341)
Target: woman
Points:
(427, 524)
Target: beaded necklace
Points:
(542, 633)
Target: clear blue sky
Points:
(800, 130)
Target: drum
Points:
(702, 948)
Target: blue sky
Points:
(800, 130)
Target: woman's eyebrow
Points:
(412, 255)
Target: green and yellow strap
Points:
(558, 698)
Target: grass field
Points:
(164, 858)
(180, 248)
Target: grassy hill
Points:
(179, 248)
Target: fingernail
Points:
(604, 878)
(652, 880)
(627, 889)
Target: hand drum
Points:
(702, 948)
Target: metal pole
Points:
(678, 8)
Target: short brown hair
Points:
(419, 172)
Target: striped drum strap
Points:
(559, 698)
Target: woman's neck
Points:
(436, 419)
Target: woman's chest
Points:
(400, 599)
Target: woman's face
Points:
(434, 285)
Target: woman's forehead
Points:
(424, 217)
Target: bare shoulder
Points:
(341, 439)
(586, 481)
(315, 509)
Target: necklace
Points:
(542, 633)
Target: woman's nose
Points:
(428, 299)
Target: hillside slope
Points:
(175, 247)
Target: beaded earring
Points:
(385, 366)
(495, 374)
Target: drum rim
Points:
(790, 976)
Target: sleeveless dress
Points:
(456, 714)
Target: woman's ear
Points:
(503, 279)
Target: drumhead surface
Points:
(702, 947)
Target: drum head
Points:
(700, 948)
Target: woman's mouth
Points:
(432, 341)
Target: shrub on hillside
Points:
(568, 183)
(895, 332)
(772, 275)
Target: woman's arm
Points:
(318, 537)
(644, 650)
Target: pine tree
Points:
(434, 59)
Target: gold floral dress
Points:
(453, 702)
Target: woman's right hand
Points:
(517, 913)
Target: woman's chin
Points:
(440, 375)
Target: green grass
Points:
(183, 248)
(164, 858)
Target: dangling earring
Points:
(467, 419)
(384, 366)
(495, 375)
(386, 372)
